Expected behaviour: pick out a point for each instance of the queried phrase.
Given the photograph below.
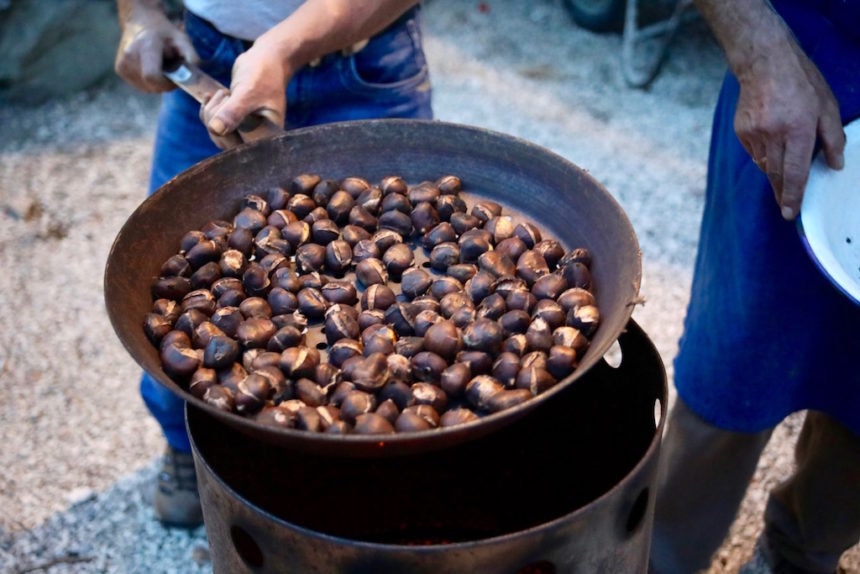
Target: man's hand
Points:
(784, 102)
(147, 38)
(258, 86)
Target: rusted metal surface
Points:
(524, 178)
(567, 488)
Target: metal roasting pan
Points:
(529, 181)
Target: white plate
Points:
(829, 221)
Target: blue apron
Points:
(766, 334)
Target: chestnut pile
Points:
(454, 311)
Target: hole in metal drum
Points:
(637, 512)
(542, 567)
(246, 548)
(321, 345)
(613, 356)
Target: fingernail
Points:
(840, 162)
(217, 126)
(787, 213)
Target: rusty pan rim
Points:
(398, 443)
(648, 457)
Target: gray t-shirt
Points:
(245, 19)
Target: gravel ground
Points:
(80, 452)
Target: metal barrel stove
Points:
(568, 488)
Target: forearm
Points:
(127, 9)
(752, 35)
(320, 27)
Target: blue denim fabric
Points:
(766, 334)
(387, 78)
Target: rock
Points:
(56, 51)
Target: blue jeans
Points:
(388, 78)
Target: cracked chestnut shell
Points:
(284, 338)
(457, 417)
(200, 299)
(549, 286)
(360, 217)
(371, 271)
(255, 307)
(353, 234)
(415, 282)
(356, 403)
(430, 395)
(297, 362)
(340, 292)
(508, 399)
(531, 266)
(585, 318)
(454, 379)
(255, 332)
(551, 250)
(561, 361)
(496, 264)
(397, 391)
(343, 350)
(206, 275)
(397, 259)
(252, 393)
(444, 339)
(323, 191)
(340, 325)
(535, 379)
(377, 297)
(492, 307)
(156, 327)
(396, 202)
(301, 205)
(221, 352)
(219, 397)
(427, 366)
(171, 287)
(393, 184)
(201, 380)
(441, 233)
(311, 303)
(483, 335)
(282, 301)
(371, 373)
(411, 422)
(310, 257)
(396, 221)
(338, 256)
(372, 423)
(575, 297)
(449, 205)
(481, 389)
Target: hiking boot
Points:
(177, 502)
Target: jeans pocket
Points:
(391, 65)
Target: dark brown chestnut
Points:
(396, 202)
(512, 247)
(342, 292)
(204, 252)
(424, 218)
(427, 366)
(370, 199)
(401, 317)
(370, 317)
(397, 259)
(397, 391)
(505, 369)
(483, 335)
(176, 266)
(535, 379)
(444, 255)
(314, 280)
(310, 257)
(371, 373)
(255, 333)
(300, 204)
(481, 389)
(251, 219)
(445, 285)
(577, 255)
(424, 320)
(531, 266)
(311, 303)
(340, 391)
(219, 397)
(284, 338)
(281, 218)
(415, 282)
(454, 379)
(539, 335)
(480, 286)
(426, 412)
(388, 410)
(168, 309)
(496, 264)
(409, 346)
(206, 275)
(551, 250)
(384, 239)
(479, 362)
(373, 424)
(308, 419)
(521, 299)
(516, 344)
(396, 221)
(294, 319)
(426, 302)
(304, 183)
(365, 249)
(275, 417)
(463, 316)
(232, 376)
(356, 403)
(423, 192)
(508, 399)
(355, 186)
(393, 184)
(570, 337)
(200, 299)
(561, 361)
(297, 362)
(156, 327)
(179, 361)
(221, 352)
(549, 311)
(463, 222)
(501, 227)
(457, 416)
(549, 286)
(352, 234)
(191, 239)
(189, 321)
(201, 380)
(514, 322)
(486, 210)
(431, 395)
(297, 233)
(252, 393)
(282, 301)
(360, 217)
(449, 185)
(340, 325)
(371, 272)
(255, 307)
(577, 275)
(533, 359)
(399, 367)
(441, 233)
(377, 296)
(453, 302)
(473, 244)
(204, 333)
(255, 281)
(462, 272)
(323, 191)
(585, 318)
(343, 350)
(443, 339)
(411, 422)
(575, 297)
(492, 307)
(309, 392)
(449, 205)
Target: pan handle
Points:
(201, 86)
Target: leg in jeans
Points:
(814, 516)
(704, 474)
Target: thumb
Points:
(183, 45)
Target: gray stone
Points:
(55, 48)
